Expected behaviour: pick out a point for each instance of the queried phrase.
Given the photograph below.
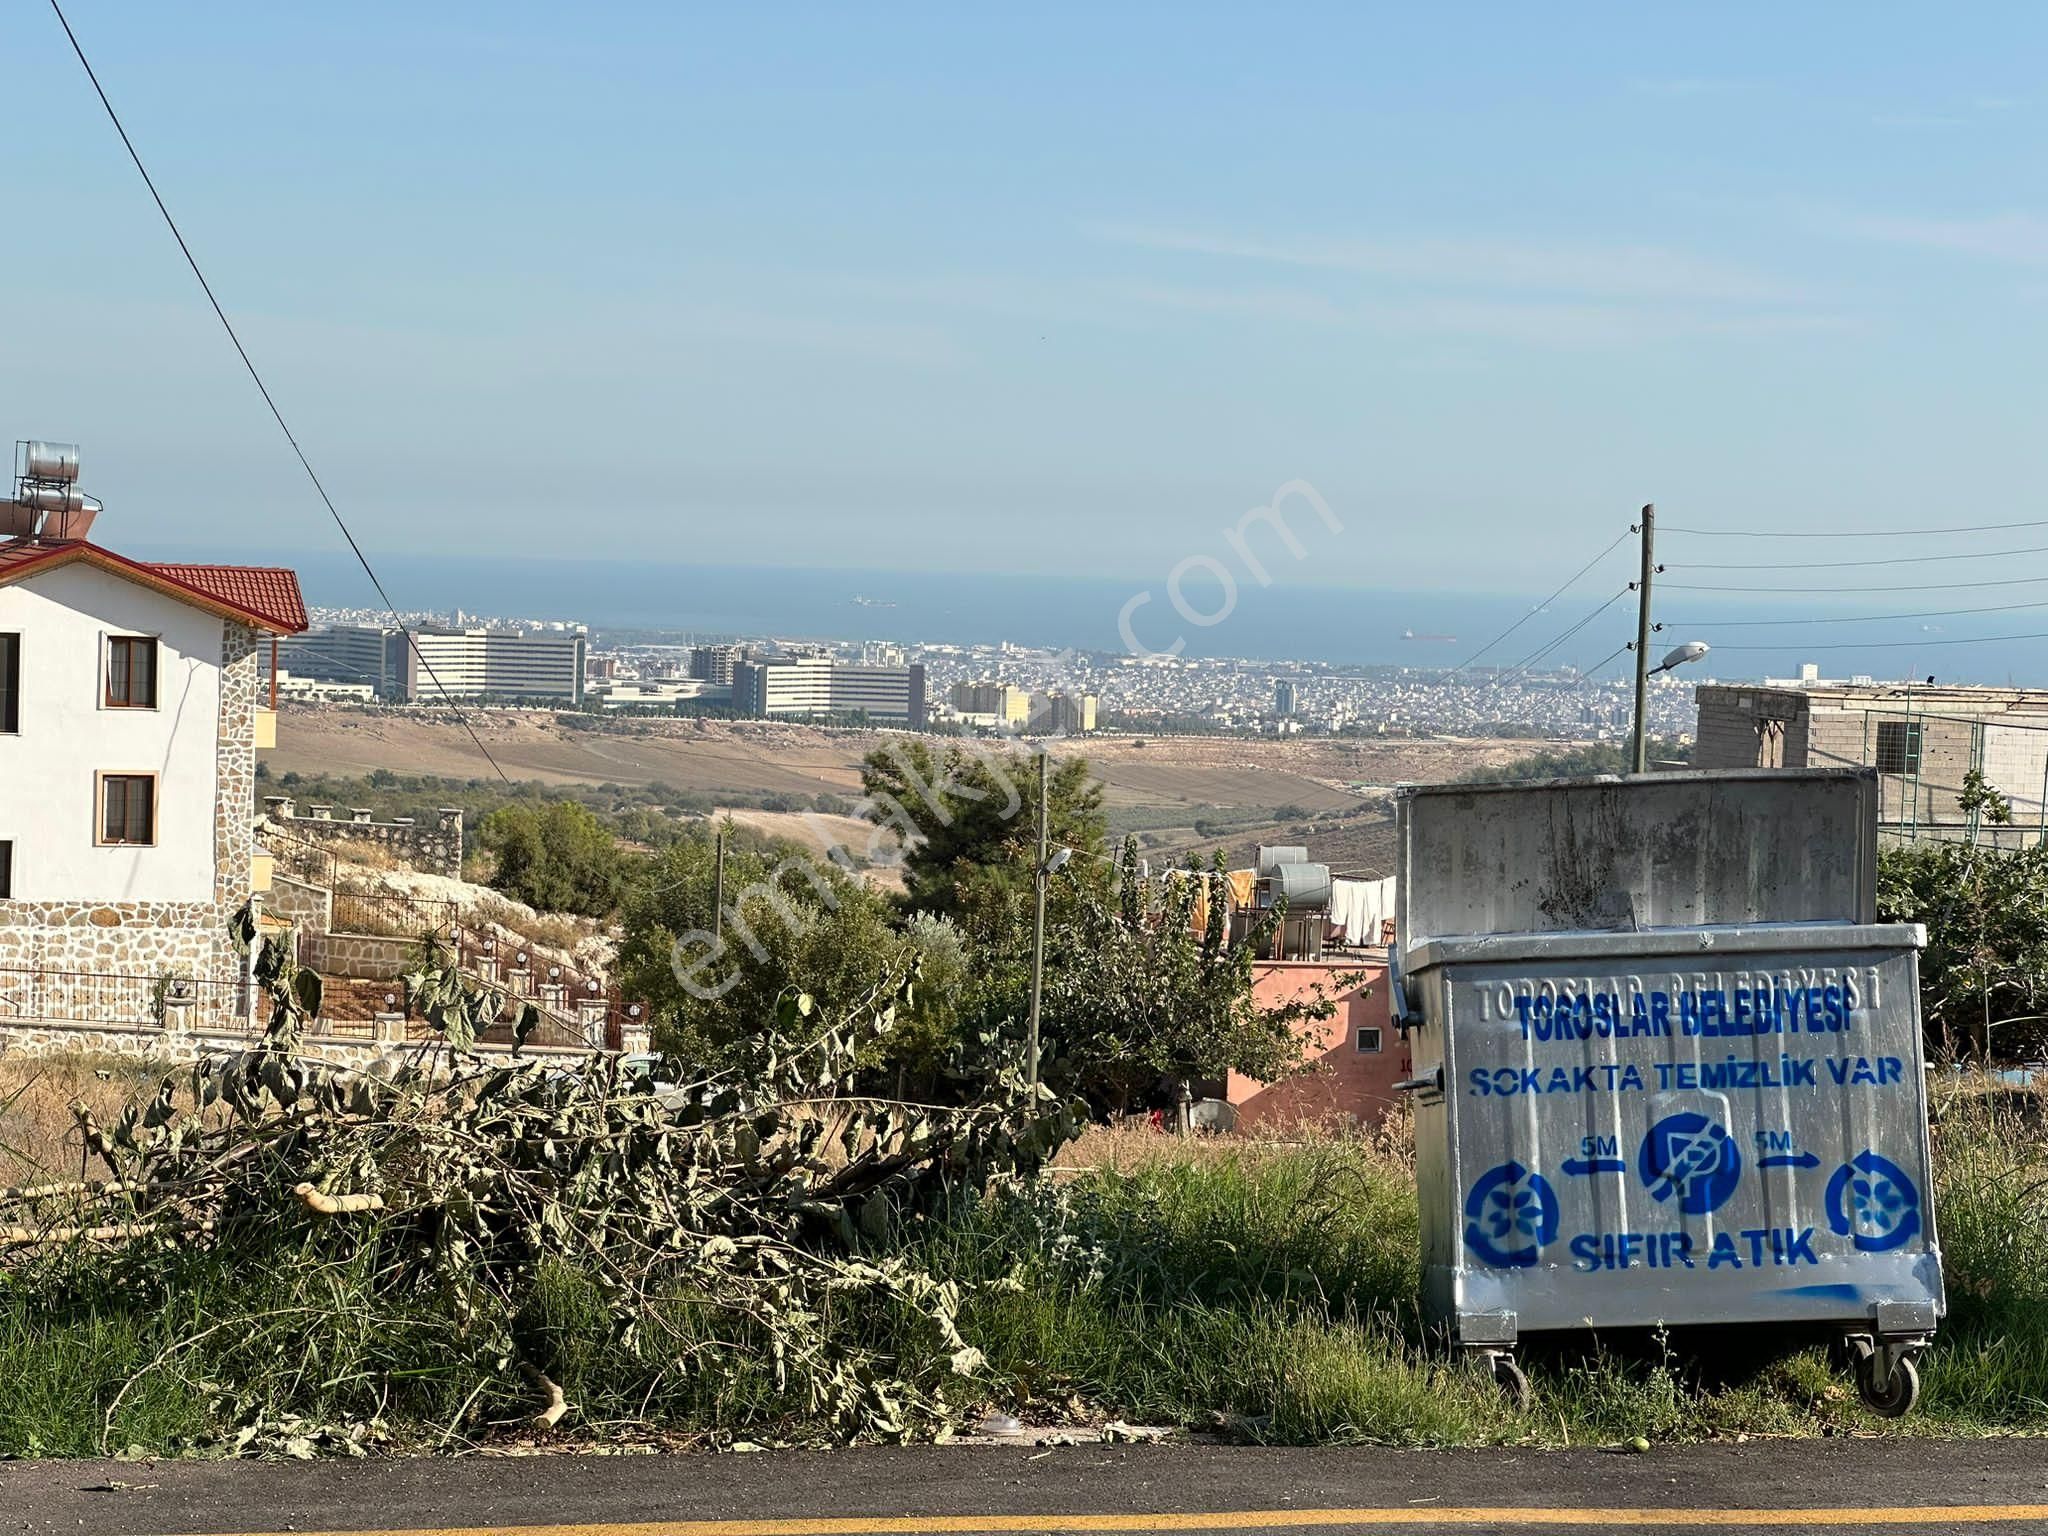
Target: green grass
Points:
(1272, 1285)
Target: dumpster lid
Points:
(1680, 944)
(1644, 852)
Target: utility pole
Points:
(1040, 875)
(1640, 747)
(718, 892)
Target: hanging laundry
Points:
(1361, 908)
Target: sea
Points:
(1751, 636)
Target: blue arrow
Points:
(1579, 1166)
(1789, 1160)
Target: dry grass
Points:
(38, 1133)
(1132, 1146)
(367, 853)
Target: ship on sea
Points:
(874, 602)
(1409, 634)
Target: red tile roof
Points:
(265, 596)
(268, 590)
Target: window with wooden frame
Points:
(128, 809)
(131, 672)
(10, 685)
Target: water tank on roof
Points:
(1304, 887)
(50, 461)
(1271, 858)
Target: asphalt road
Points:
(1819, 1487)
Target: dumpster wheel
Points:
(1513, 1382)
(1900, 1391)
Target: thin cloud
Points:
(1518, 322)
(1610, 272)
(2019, 238)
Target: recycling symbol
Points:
(1692, 1157)
(1872, 1202)
(1509, 1215)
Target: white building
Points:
(133, 699)
(542, 665)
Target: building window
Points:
(10, 684)
(6, 868)
(1898, 746)
(131, 672)
(128, 808)
(1366, 1038)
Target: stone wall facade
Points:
(366, 957)
(164, 938)
(436, 849)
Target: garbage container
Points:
(1667, 1066)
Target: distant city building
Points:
(1063, 714)
(600, 669)
(715, 663)
(1922, 739)
(624, 693)
(532, 665)
(818, 685)
(372, 655)
(1283, 697)
(995, 704)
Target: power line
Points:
(264, 390)
(1587, 673)
(1807, 591)
(1842, 565)
(1540, 607)
(1888, 645)
(1862, 618)
(1538, 654)
(1860, 533)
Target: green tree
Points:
(555, 858)
(1986, 913)
(968, 821)
(1142, 986)
(792, 923)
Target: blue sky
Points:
(1062, 289)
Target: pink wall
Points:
(1347, 1084)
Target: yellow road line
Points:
(1940, 1516)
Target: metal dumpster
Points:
(1667, 1065)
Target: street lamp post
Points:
(1692, 650)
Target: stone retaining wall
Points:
(361, 957)
(437, 849)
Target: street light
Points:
(1692, 650)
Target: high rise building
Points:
(1063, 714)
(715, 663)
(819, 685)
(369, 654)
(1001, 704)
(1284, 699)
(535, 665)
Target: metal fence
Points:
(387, 915)
(1923, 757)
(144, 1002)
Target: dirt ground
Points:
(802, 759)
